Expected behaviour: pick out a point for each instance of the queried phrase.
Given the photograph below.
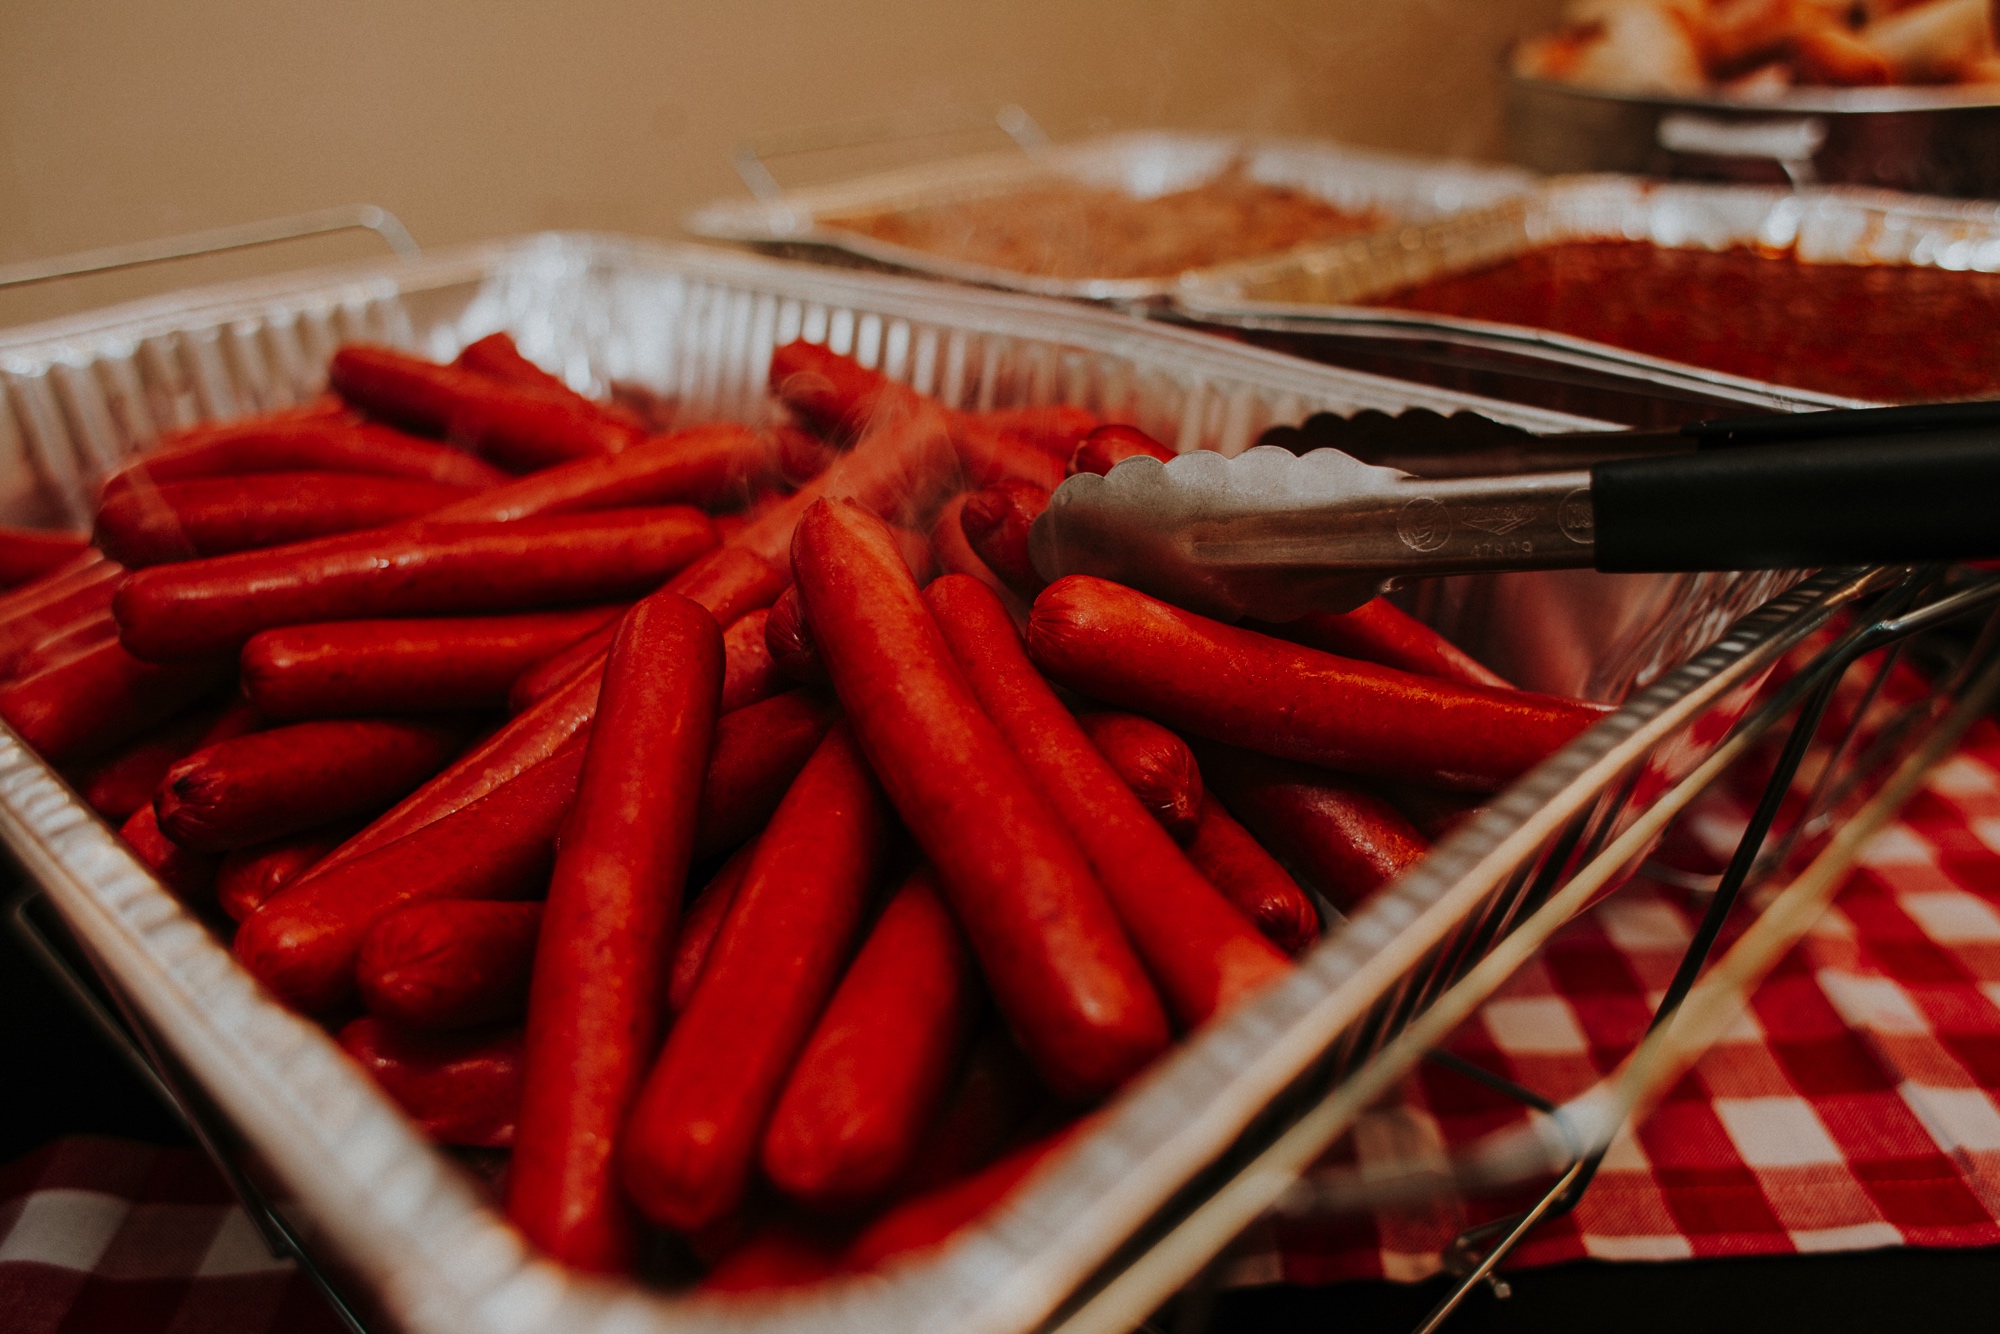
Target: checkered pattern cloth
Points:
(1853, 1107)
(104, 1236)
(1856, 1104)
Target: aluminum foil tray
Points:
(409, 1237)
(1317, 290)
(1144, 163)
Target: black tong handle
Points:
(1876, 500)
(1778, 427)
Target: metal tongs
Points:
(1276, 535)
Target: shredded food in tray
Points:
(1886, 332)
(1073, 230)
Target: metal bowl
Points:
(1940, 141)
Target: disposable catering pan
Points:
(1938, 141)
(1178, 1162)
(1321, 291)
(1146, 164)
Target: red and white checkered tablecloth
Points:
(1857, 1105)
(105, 1236)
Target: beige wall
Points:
(125, 119)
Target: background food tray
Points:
(407, 1236)
(1317, 290)
(1145, 164)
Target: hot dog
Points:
(1246, 689)
(729, 581)
(1201, 952)
(520, 428)
(301, 444)
(497, 358)
(930, 1219)
(872, 1076)
(1108, 446)
(996, 523)
(188, 876)
(250, 876)
(212, 606)
(1342, 837)
(1155, 764)
(267, 785)
(101, 698)
(524, 742)
(449, 964)
(600, 976)
(303, 941)
(415, 665)
(956, 556)
(54, 603)
(215, 516)
(120, 784)
(460, 1088)
(1381, 632)
(694, 467)
(758, 752)
(1253, 880)
(691, 1145)
(751, 674)
(27, 554)
(1047, 939)
(699, 924)
(788, 641)
(1056, 429)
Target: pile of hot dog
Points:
(726, 820)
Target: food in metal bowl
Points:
(1752, 48)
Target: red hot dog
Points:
(1047, 938)
(1381, 632)
(303, 941)
(1346, 840)
(751, 674)
(523, 743)
(996, 523)
(291, 444)
(449, 964)
(931, 1219)
(956, 556)
(416, 665)
(1201, 952)
(729, 581)
(1155, 764)
(210, 606)
(117, 786)
(215, 516)
(600, 976)
(460, 1088)
(249, 877)
(188, 876)
(27, 554)
(1246, 689)
(1108, 446)
(788, 641)
(1253, 880)
(693, 467)
(758, 752)
(691, 1145)
(699, 925)
(899, 470)
(1056, 429)
(877, 1067)
(497, 358)
(521, 428)
(270, 784)
(102, 698)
